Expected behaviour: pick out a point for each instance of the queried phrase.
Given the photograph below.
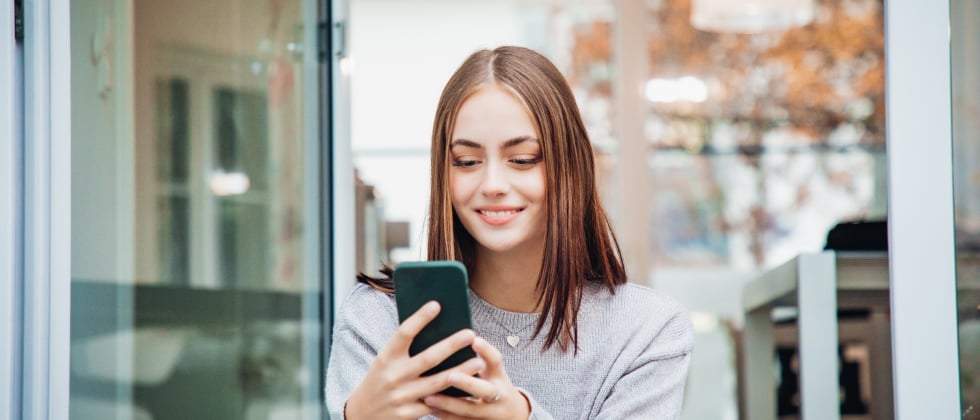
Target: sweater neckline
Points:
(505, 322)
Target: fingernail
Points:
(431, 400)
(477, 364)
(431, 307)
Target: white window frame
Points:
(46, 249)
(920, 210)
(342, 162)
(10, 145)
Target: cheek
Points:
(535, 184)
(460, 188)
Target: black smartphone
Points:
(417, 283)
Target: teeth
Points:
(498, 213)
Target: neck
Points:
(508, 280)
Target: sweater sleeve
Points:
(653, 386)
(350, 358)
(537, 411)
(362, 328)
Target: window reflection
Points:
(965, 51)
(191, 293)
(241, 148)
(173, 201)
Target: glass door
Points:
(965, 56)
(195, 279)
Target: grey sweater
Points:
(634, 351)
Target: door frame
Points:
(45, 281)
(920, 188)
(11, 162)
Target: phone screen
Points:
(417, 283)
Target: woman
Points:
(557, 330)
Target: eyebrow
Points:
(509, 143)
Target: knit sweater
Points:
(634, 351)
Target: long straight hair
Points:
(580, 245)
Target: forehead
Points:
(491, 114)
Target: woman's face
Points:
(497, 175)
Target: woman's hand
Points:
(393, 387)
(494, 396)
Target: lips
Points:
(498, 216)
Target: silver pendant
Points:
(513, 340)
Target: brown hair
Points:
(580, 244)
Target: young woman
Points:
(558, 331)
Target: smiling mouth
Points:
(503, 213)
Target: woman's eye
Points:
(525, 161)
(465, 163)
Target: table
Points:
(818, 285)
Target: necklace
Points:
(513, 337)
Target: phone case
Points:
(417, 283)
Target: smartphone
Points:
(417, 283)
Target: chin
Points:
(509, 239)
(499, 246)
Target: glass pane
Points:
(174, 242)
(241, 134)
(193, 296)
(690, 209)
(965, 51)
(764, 136)
(242, 249)
(791, 119)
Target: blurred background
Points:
(731, 137)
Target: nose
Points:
(495, 182)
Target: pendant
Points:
(513, 340)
